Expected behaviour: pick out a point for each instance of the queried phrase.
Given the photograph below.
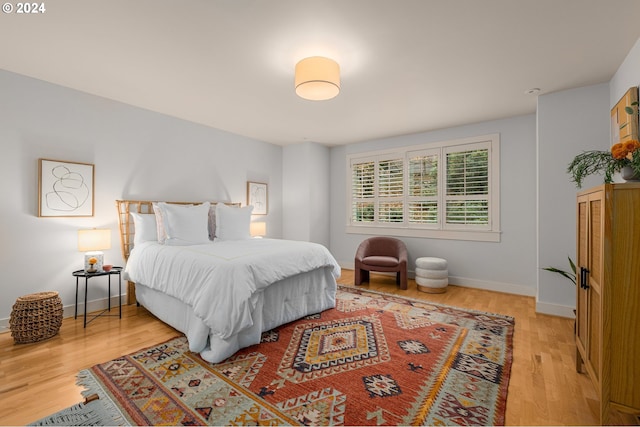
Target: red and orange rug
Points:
(375, 359)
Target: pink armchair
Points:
(385, 254)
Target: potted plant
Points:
(571, 275)
(623, 157)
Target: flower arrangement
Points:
(92, 261)
(625, 150)
(622, 155)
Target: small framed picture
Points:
(65, 188)
(257, 197)
(624, 117)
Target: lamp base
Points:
(97, 266)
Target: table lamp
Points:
(258, 229)
(92, 243)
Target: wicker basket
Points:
(36, 317)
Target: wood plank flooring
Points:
(38, 379)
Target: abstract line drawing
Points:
(257, 197)
(65, 188)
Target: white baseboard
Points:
(555, 309)
(468, 282)
(487, 285)
(69, 310)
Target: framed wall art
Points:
(624, 126)
(257, 197)
(65, 188)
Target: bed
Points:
(221, 293)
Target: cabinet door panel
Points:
(595, 337)
(582, 330)
(594, 281)
(595, 243)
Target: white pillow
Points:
(162, 235)
(145, 228)
(185, 225)
(233, 223)
(212, 222)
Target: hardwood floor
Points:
(38, 379)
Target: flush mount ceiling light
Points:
(317, 78)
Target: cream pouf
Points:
(432, 275)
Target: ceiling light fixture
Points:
(317, 78)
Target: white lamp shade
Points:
(94, 240)
(258, 229)
(317, 78)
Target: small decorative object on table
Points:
(36, 317)
(92, 263)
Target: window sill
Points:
(470, 235)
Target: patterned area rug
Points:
(375, 359)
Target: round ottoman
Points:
(36, 317)
(432, 275)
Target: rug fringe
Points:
(94, 393)
(80, 414)
(97, 409)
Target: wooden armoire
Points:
(608, 295)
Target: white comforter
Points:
(220, 280)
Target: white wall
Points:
(306, 192)
(569, 122)
(628, 75)
(505, 266)
(137, 154)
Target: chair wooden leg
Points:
(365, 276)
(361, 276)
(402, 279)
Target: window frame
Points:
(440, 229)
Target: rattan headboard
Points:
(125, 221)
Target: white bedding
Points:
(281, 302)
(222, 282)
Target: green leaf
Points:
(629, 110)
(573, 266)
(563, 273)
(594, 162)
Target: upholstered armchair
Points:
(383, 254)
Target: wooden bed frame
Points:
(127, 229)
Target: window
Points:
(442, 190)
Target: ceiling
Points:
(407, 66)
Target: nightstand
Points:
(81, 273)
